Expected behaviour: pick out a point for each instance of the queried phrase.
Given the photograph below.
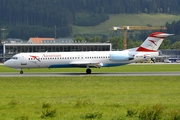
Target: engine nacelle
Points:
(117, 57)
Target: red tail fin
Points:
(152, 43)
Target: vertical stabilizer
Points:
(152, 43)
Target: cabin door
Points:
(23, 60)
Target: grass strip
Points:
(83, 97)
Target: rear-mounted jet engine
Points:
(117, 57)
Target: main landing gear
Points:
(88, 71)
(21, 72)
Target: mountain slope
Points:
(129, 20)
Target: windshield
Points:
(15, 58)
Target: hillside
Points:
(127, 19)
(41, 18)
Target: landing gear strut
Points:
(153, 59)
(88, 71)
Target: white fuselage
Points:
(148, 49)
(77, 59)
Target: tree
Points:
(165, 44)
(145, 10)
(66, 13)
(168, 10)
(176, 45)
(79, 39)
(133, 43)
(95, 39)
(117, 42)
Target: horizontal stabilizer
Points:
(160, 35)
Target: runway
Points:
(76, 74)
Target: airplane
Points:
(89, 59)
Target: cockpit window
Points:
(15, 58)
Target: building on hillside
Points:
(40, 40)
(12, 40)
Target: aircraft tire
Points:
(88, 71)
(21, 72)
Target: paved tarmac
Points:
(50, 74)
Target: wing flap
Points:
(87, 64)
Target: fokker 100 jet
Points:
(147, 50)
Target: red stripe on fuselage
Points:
(141, 49)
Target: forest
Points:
(27, 18)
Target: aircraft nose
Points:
(8, 63)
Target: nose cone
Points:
(6, 63)
(9, 63)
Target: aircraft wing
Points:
(87, 64)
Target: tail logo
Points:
(153, 42)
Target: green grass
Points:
(127, 20)
(77, 97)
(99, 97)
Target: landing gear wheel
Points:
(153, 60)
(88, 71)
(21, 72)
